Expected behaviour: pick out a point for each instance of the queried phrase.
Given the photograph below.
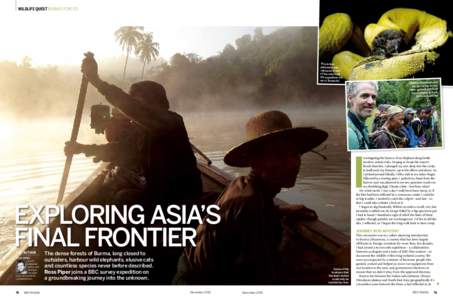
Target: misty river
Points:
(32, 160)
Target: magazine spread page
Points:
(225, 150)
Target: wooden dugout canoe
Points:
(317, 251)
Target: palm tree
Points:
(128, 37)
(147, 50)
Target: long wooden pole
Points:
(75, 132)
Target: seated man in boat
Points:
(124, 180)
(169, 165)
(243, 248)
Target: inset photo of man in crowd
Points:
(390, 114)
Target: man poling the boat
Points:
(167, 157)
(167, 161)
(244, 247)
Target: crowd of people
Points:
(393, 126)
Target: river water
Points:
(31, 163)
